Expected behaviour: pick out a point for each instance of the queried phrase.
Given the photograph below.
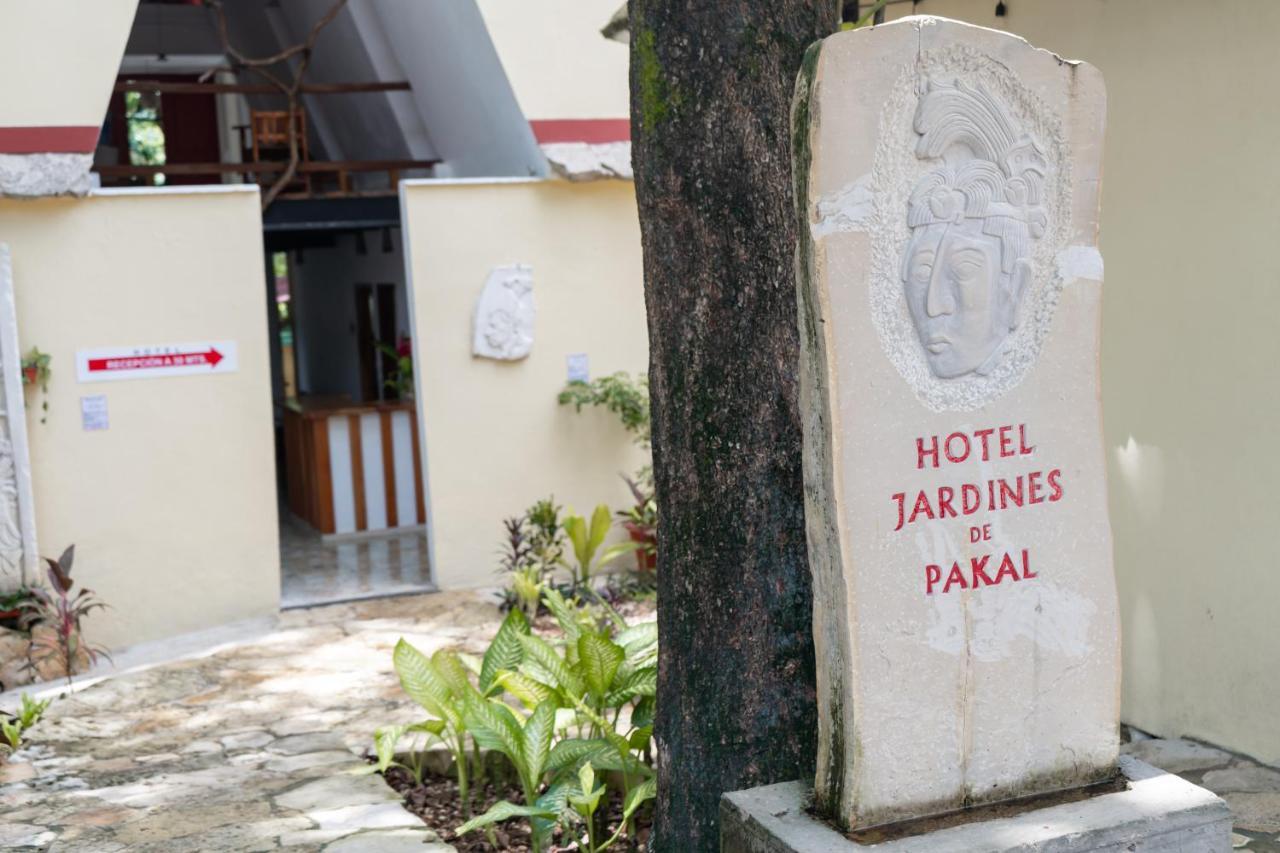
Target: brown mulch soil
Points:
(437, 803)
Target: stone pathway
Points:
(1250, 789)
(246, 749)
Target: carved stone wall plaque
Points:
(965, 611)
(503, 323)
(19, 557)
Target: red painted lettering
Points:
(985, 435)
(902, 502)
(932, 574)
(1008, 495)
(964, 442)
(1026, 565)
(956, 576)
(970, 499)
(945, 495)
(1055, 488)
(921, 452)
(1035, 493)
(978, 565)
(1006, 441)
(1006, 568)
(1024, 448)
(922, 506)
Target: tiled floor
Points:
(317, 572)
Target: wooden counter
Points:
(353, 468)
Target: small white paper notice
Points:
(93, 412)
(579, 367)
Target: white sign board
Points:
(579, 367)
(156, 360)
(93, 412)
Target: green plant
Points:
(62, 612)
(552, 708)
(640, 520)
(35, 372)
(400, 380)
(599, 675)
(531, 551)
(13, 729)
(626, 397)
(587, 539)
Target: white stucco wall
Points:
(496, 439)
(173, 508)
(1190, 350)
(58, 59)
(557, 61)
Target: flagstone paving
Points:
(249, 748)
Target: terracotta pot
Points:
(646, 561)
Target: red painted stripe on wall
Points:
(593, 130)
(53, 140)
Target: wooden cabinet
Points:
(353, 468)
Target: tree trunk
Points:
(711, 87)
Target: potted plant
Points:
(641, 523)
(35, 371)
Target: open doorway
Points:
(349, 468)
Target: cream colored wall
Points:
(496, 439)
(173, 508)
(58, 59)
(1189, 218)
(555, 58)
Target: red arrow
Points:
(161, 360)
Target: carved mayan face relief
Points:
(967, 266)
(970, 189)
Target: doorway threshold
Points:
(315, 570)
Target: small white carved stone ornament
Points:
(503, 324)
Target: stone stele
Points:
(965, 611)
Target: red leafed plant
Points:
(61, 611)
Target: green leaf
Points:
(555, 800)
(600, 658)
(641, 683)
(643, 714)
(613, 552)
(586, 802)
(537, 740)
(526, 689)
(503, 811)
(564, 614)
(423, 684)
(540, 652)
(601, 521)
(384, 745)
(571, 751)
(639, 738)
(639, 795)
(493, 726)
(575, 527)
(505, 652)
(451, 669)
(638, 637)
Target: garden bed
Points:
(438, 804)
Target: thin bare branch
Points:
(291, 89)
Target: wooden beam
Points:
(168, 87)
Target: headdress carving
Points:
(990, 170)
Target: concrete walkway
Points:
(244, 749)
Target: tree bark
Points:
(711, 89)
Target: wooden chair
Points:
(269, 133)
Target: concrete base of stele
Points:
(1149, 811)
